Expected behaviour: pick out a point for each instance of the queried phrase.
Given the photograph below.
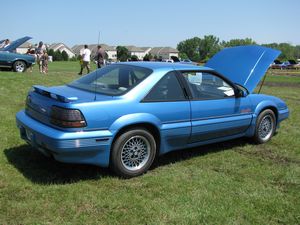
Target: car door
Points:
(4, 59)
(215, 110)
(168, 102)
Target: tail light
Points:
(67, 118)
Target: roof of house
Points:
(132, 48)
(25, 45)
(163, 50)
(60, 47)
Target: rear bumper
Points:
(88, 147)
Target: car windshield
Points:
(112, 80)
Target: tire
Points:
(19, 66)
(265, 126)
(133, 153)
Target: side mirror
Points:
(241, 93)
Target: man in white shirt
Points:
(86, 58)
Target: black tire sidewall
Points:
(257, 138)
(116, 163)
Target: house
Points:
(164, 52)
(22, 49)
(62, 47)
(139, 52)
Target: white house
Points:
(22, 49)
(139, 52)
(62, 47)
(164, 52)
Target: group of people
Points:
(41, 55)
(86, 58)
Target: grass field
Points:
(234, 182)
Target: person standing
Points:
(31, 51)
(86, 58)
(100, 57)
(44, 60)
(39, 51)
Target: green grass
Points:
(234, 182)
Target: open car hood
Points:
(16, 44)
(244, 65)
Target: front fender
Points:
(258, 109)
(263, 105)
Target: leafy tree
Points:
(287, 50)
(57, 56)
(190, 47)
(208, 46)
(64, 55)
(51, 52)
(182, 55)
(134, 58)
(148, 57)
(238, 42)
(122, 53)
(297, 52)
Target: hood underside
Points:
(15, 44)
(244, 65)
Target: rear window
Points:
(113, 79)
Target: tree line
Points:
(197, 49)
(201, 49)
(58, 55)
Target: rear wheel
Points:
(19, 66)
(265, 126)
(133, 153)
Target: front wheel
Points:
(265, 126)
(19, 66)
(133, 153)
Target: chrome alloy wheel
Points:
(266, 127)
(19, 66)
(135, 153)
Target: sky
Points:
(151, 23)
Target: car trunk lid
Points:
(40, 100)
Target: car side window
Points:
(204, 85)
(167, 89)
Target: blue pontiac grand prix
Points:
(126, 114)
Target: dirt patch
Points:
(269, 155)
(282, 84)
(285, 73)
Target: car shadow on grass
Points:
(185, 154)
(43, 170)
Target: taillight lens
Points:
(67, 118)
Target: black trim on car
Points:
(234, 87)
(180, 83)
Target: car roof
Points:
(166, 66)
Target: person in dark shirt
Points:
(100, 56)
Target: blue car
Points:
(14, 61)
(126, 114)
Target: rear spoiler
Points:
(50, 94)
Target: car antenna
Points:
(262, 83)
(97, 69)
